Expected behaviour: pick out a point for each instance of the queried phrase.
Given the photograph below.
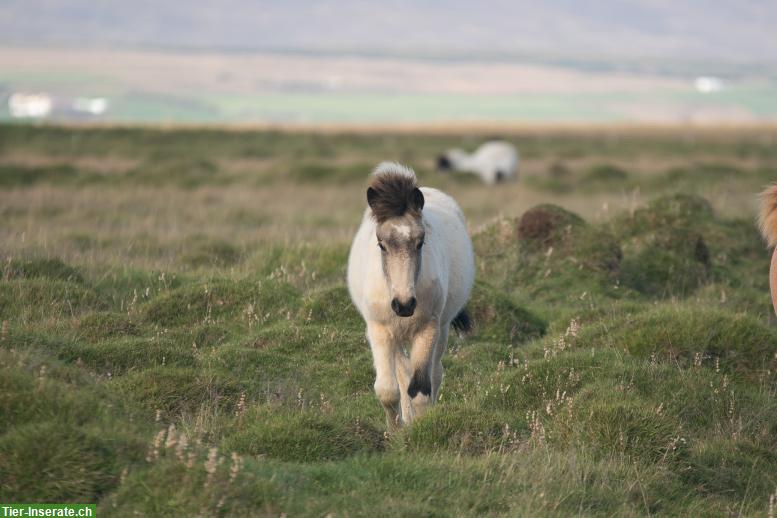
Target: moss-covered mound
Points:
(462, 429)
(681, 333)
(176, 391)
(676, 210)
(61, 438)
(49, 268)
(672, 247)
(546, 252)
(102, 325)
(41, 298)
(301, 436)
(669, 261)
(547, 225)
(496, 317)
(676, 245)
(210, 253)
(255, 299)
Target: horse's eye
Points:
(380, 245)
(420, 244)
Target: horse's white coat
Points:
(442, 288)
(493, 161)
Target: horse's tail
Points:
(463, 322)
(768, 217)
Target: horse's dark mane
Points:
(393, 194)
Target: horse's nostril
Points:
(395, 305)
(411, 304)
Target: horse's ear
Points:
(417, 199)
(372, 197)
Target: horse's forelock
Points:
(392, 194)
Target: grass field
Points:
(739, 104)
(176, 335)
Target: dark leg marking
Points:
(421, 382)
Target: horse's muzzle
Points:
(404, 310)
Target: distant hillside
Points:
(693, 29)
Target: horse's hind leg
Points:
(386, 386)
(437, 371)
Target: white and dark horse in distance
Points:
(493, 162)
(410, 273)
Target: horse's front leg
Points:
(386, 386)
(402, 365)
(421, 358)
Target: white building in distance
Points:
(708, 84)
(91, 105)
(27, 106)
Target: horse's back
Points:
(497, 151)
(442, 205)
(497, 156)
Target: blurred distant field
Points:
(149, 86)
(177, 336)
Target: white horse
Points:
(410, 273)
(495, 161)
